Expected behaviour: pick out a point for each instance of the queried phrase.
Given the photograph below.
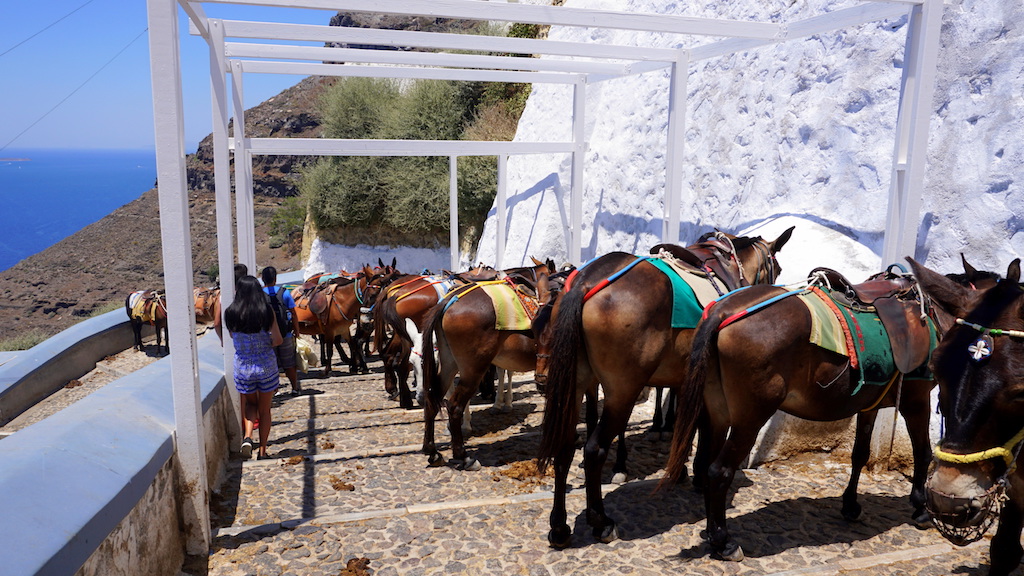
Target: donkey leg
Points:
(402, 375)
(595, 452)
(357, 363)
(915, 406)
(658, 423)
(1005, 553)
(468, 384)
(326, 351)
(560, 535)
(720, 476)
(619, 468)
(430, 411)
(487, 384)
(861, 452)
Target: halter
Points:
(979, 350)
(995, 496)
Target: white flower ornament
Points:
(981, 349)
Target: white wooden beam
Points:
(224, 208)
(501, 202)
(579, 149)
(313, 69)
(395, 57)
(197, 19)
(337, 147)
(176, 242)
(244, 203)
(440, 41)
(840, 19)
(453, 210)
(910, 155)
(675, 148)
(531, 14)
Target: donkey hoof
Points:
(619, 478)
(559, 538)
(922, 520)
(435, 460)
(852, 512)
(469, 465)
(730, 553)
(607, 534)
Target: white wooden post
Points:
(453, 211)
(579, 148)
(243, 175)
(222, 190)
(502, 209)
(176, 239)
(911, 151)
(675, 147)
(904, 215)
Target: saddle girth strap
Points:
(603, 283)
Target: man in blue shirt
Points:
(290, 331)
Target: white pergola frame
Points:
(591, 63)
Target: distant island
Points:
(15, 159)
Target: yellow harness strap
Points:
(1000, 452)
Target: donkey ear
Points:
(971, 271)
(536, 262)
(1013, 272)
(944, 292)
(779, 242)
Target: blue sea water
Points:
(47, 195)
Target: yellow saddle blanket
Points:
(143, 308)
(513, 309)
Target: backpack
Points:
(280, 312)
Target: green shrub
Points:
(289, 219)
(409, 194)
(23, 341)
(108, 307)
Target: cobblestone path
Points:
(346, 491)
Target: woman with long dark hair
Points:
(254, 331)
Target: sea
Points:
(47, 195)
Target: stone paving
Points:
(346, 491)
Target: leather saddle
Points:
(895, 300)
(711, 257)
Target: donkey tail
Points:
(380, 335)
(561, 410)
(431, 384)
(690, 402)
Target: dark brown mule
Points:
(364, 327)
(753, 355)
(622, 337)
(463, 325)
(980, 373)
(148, 307)
(329, 309)
(206, 300)
(411, 297)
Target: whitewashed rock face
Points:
(803, 129)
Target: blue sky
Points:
(65, 42)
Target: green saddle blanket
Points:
(686, 311)
(871, 345)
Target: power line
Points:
(40, 119)
(46, 28)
